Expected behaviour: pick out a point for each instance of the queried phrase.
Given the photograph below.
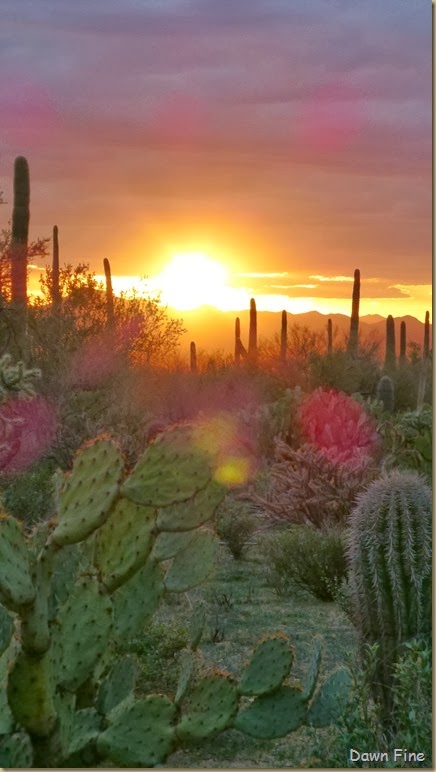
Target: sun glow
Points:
(193, 279)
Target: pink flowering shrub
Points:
(338, 427)
(27, 431)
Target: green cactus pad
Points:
(16, 751)
(273, 715)
(16, 585)
(67, 565)
(196, 625)
(192, 565)
(137, 600)
(209, 708)
(84, 624)
(190, 514)
(313, 669)
(172, 469)
(187, 665)
(331, 699)
(122, 544)
(88, 492)
(118, 684)
(269, 665)
(6, 629)
(6, 662)
(168, 544)
(30, 694)
(142, 735)
(83, 727)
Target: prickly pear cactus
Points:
(72, 592)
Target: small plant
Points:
(407, 440)
(304, 557)
(29, 496)
(234, 525)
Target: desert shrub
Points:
(313, 560)
(338, 426)
(361, 726)
(407, 440)
(156, 651)
(235, 525)
(307, 487)
(273, 420)
(339, 370)
(29, 496)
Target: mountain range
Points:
(212, 329)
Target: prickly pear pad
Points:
(190, 514)
(118, 684)
(84, 625)
(313, 669)
(88, 491)
(123, 542)
(209, 708)
(6, 662)
(16, 751)
(6, 629)
(172, 469)
(269, 665)
(331, 699)
(192, 565)
(31, 692)
(272, 715)
(168, 544)
(142, 735)
(186, 663)
(16, 586)
(136, 600)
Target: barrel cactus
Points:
(389, 550)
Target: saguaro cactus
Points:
(109, 294)
(402, 357)
(240, 350)
(284, 336)
(329, 337)
(252, 335)
(354, 323)
(56, 291)
(427, 335)
(193, 357)
(20, 232)
(389, 550)
(390, 359)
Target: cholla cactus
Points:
(16, 378)
(391, 571)
(338, 427)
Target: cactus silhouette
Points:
(284, 336)
(84, 583)
(354, 322)
(427, 335)
(20, 232)
(390, 358)
(252, 334)
(389, 549)
(193, 357)
(110, 313)
(240, 350)
(385, 393)
(329, 336)
(402, 357)
(56, 292)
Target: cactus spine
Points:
(390, 359)
(193, 357)
(56, 291)
(354, 323)
(252, 335)
(329, 337)
(386, 393)
(109, 295)
(20, 232)
(402, 357)
(389, 549)
(284, 337)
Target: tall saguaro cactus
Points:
(193, 357)
(284, 336)
(109, 294)
(402, 358)
(20, 232)
(56, 291)
(240, 350)
(329, 336)
(252, 335)
(390, 359)
(427, 335)
(354, 323)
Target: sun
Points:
(190, 280)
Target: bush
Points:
(29, 496)
(156, 651)
(234, 525)
(305, 557)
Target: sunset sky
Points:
(287, 141)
